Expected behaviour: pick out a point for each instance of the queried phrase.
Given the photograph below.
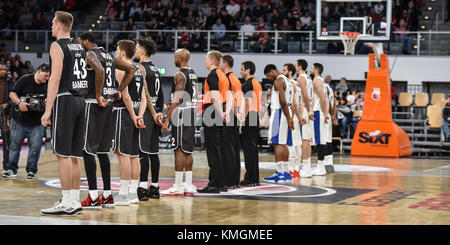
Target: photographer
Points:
(6, 82)
(28, 95)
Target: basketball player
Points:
(129, 113)
(215, 115)
(66, 86)
(295, 152)
(281, 123)
(321, 117)
(329, 166)
(182, 114)
(99, 120)
(233, 173)
(149, 136)
(306, 89)
(250, 130)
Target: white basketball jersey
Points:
(288, 92)
(330, 96)
(298, 96)
(316, 106)
(309, 86)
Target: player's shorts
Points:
(329, 130)
(126, 138)
(99, 128)
(319, 129)
(279, 132)
(183, 129)
(68, 125)
(149, 141)
(307, 130)
(296, 135)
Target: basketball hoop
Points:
(349, 39)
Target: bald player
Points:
(182, 115)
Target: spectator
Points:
(344, 115)
(281, 8)
(130, 23)
(219, 29)
(261, 24)
(211, 19)
(111, 11)
(245, 11)
(248, 29)
(219, 6)
(123, 11)
(360, 101)
(27, 121)
(296, 10)
(28, 69)
(206, 9)
(190, 18)
(258, 10)
(197, 41)
(306, 21)
(200, 19)
(233, 9)
(263, 44)
(226, 18)
(185, 38)
(403, 36)
(26, 18)
(39, 21)
(6, 83)
(276, 19)
(342, 87)
(394, 97)
(328, 79)
(136, 10)
(413, 16)
(298, 36)
(446, 119)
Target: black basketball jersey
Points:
(74, 72)
(154, 85)
(191, 88)
(110, 84)
(134, 89)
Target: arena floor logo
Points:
(263, 192)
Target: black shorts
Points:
(99, 128)
(126, 139)
(145, 134)
(68, 122)
(154, 131)
(183, 129)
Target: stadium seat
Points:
(396, 48)
(421, 100)
(321, 48)
(305, 47)
(294, 47)
(434, 116)
(405, 99)
(436, 98)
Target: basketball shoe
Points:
(142, 194)
(189, 189)
(133, 197)
(108, 202)
(296, 174)
(287, 177)
(320, 169)
(153, 192)
(306, 173)
(59, 209)
(122, 200)
(276, 177)
(92, 204)
(173, 191)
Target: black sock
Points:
(321, 152)
(91, 170)
(105, 167)
(143, 158)
(154, 160)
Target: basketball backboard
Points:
(371, 18)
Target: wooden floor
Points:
(363, 191)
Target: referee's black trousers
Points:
(214, 143)
(249, 140)
(231, 154)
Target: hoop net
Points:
(349, 39)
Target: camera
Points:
(36, 101)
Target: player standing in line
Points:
(295, 151)
(66, 86)
(149, 136)
(182, 115)
(321, 117)
(281, 123)
(306, 88)
(250, 129)
(99, 121)
(129, 113)
(233, 174)
(329, 166)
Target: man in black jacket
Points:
(6, 82)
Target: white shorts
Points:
(296, 135)
(307, 130)
(320, 131)
(279, 132)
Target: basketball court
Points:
(362, 191)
